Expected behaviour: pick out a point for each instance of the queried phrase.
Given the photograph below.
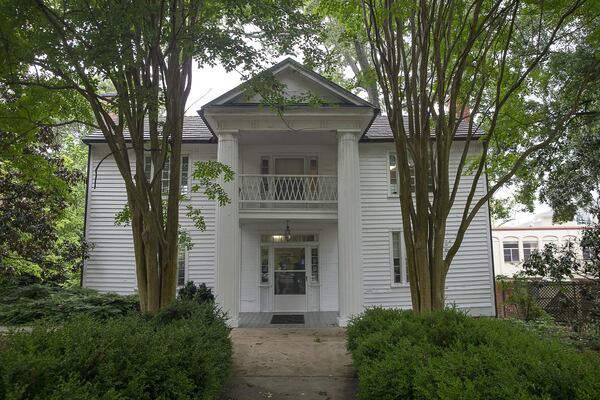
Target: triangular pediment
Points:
(299, 82)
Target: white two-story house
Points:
(314, 221)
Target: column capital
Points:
(349, 134)
(227, 134)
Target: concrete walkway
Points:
(290, 364)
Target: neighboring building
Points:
(314, 221)
(514, 243)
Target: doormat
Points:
(287, 319)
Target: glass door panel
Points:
(290, 278)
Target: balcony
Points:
(288, 191)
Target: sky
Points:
(208, 83)
(211, 82)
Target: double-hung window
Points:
(394, 178)
(166, 174)
(511, 251)
(398, 262)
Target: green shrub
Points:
(123, 358)
(200, 293)
(448, 355)
(27, 304)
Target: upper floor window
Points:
(289, 165)
(166, 173)
(511, 251)
(529, 246)
(399, 272)
(394, 179)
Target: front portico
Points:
(300, 167)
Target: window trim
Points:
(403, 266)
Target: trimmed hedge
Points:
(28, 304)
(448, 355)
(176, 355)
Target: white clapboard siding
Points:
(111, 265)
(469, 284)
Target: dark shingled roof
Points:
(380, 130)
(195, 130)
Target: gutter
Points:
(201, 114)
(376, 112)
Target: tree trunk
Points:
(137, 228)
(365, 66)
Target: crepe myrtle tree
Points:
(482, 64)
(145, 50)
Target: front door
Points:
(290, 278)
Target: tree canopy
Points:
(486, 66)
(41, 183)
(145, 50)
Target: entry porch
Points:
(289, 267)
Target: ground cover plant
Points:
(27, 304)
(449, 355)
(184, 352)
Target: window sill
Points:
(400, 285)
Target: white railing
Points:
(293, 190)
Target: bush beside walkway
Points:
(24, 305)
(448, 355)
(184, 352)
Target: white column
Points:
(349, 227)
(227, 271)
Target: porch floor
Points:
(323, 319)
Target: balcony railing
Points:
(292, 191)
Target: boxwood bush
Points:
(176, 355)
(28, 304)
(449, 355)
